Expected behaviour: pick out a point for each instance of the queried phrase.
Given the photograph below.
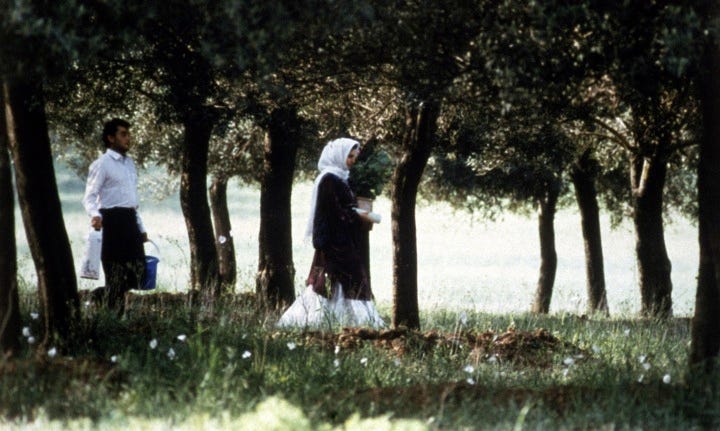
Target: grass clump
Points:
(168, 366)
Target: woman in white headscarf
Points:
(338, 285)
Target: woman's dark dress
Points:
(336, 238)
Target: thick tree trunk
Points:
(418, 141)
(706, 325)
(223, 234)
(41, 210)
(9, 304)
(583, 178)
(196, 210)
(276, 271)
(547, 207)
(648, 179)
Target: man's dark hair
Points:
(111, 127)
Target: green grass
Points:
(231, 369)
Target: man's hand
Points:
(96, 222)
(144, 237)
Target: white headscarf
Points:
(333, 160)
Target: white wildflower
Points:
(52, 352)
(246, 354)
(31, 340)
(364, 361)
(34, 315)
(627, 332)
(666, 379)
(114, 359)
(336, 362)
(397, 362)
(337, 349)
(182, 337)
(641, 378)
(291, 345)
(222, 239)
(153, 343)
(493, 359)
(87, 304)
(646, 366)
(596, 349)
(470, 381)
(171, 353)
(26, 332)
(569, 361)
(469, 369)
(566, 371)
(463, 318)
(642, 358)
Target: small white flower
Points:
(34, 315)
(87, 304)
(222, 239)
(641, 378)
(31, 340)
(646, 366)
(26, 332)
(596, 349)
(666, 379)
(642, 358)
(397, 362)
(114, 359)
(463, 318)
(364, 361)
(246, 354)
(230, 234)
(492, 359)
(153, 343)
(337, 349)
(580, 356)
(566, 371)
(569, 361)
(469, 369)
(171, 353)
(627, 332)
(336, 362)
(291, 345)
(470, 381)
(182, 337)
(52, 352)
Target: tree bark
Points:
(583, 177)
(418, 141)
(547, 207)
(223, 234)
(706, 325)
(9, 303)
(41, 209)
(648, 179)
(194, 202)
(275, 281)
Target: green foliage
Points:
(371, 172)
(165, 365)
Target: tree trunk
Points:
(41, 209)
(583, 178)
(276, 271)
(547, 207)
(706, 325)
(223, 234)
(648, 179)
(418, 141)
(196, 210)
(9, 304)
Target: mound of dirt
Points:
(524, 348)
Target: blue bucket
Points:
(150, 278)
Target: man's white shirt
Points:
(112, 182)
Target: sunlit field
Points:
(463, 262)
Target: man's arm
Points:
(91, 200)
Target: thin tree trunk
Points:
(583, 178)
(418, 141)
(9, 304)
(276, 271)
(547, 207)
(648, 179)
(706, 325)
(196, 210)
(223, 234)
(41, 210)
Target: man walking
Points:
(111, 202)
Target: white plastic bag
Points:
(90, 267)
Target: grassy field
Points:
(481, 362)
